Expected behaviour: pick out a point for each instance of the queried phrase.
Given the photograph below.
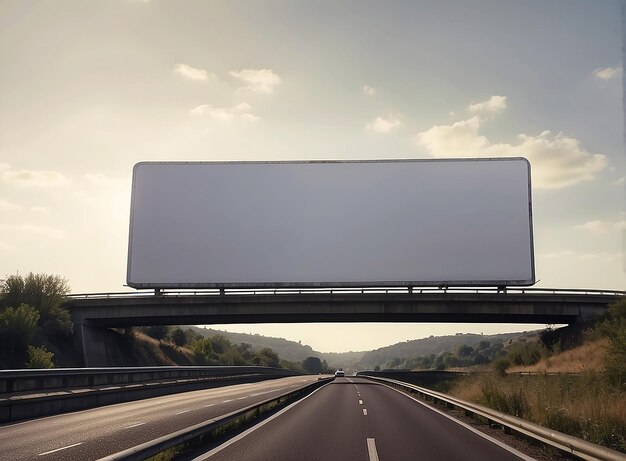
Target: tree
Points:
(231, 357)
(178, 337)
(17, 328)
(464, 351)
(312, 365)
(246, 351)
(202, 351)
(157, 332)
(266, 357)
(220, 344)
(191, 336)
(44, 292)
(450, 361)
(289, 365)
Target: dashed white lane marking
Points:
(371, 450)
(360, 402)
(364, 411)
(241, 398)
(226, 401)
(59, 449)
(209, 405)
(135, 425)
(184, 411)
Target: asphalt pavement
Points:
(355, 419)
(94, 433)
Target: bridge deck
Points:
(468, 307)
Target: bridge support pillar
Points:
(94, 345)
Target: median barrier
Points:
(206, 431)
(28, 394)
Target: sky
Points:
(88, 89)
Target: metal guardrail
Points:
(13, 381)
(381, 290)
(154, 447)
(566, 443)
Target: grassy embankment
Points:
(571, 392)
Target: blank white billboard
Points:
(331, 224)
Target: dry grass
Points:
(583, 406)
(151, 351)
(589, 357)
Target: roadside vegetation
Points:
(34, 325)
(219, 350)
(579, 391)
(36, 331)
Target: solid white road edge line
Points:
(59, 449)
(503, 445)
(371, 450)
(235, 439)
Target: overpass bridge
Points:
(94, 313)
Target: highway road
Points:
(355, 419)
(94, 433)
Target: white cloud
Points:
(557, 160)
(257, 80)
(607, 73)
(368, 90)
(597, 227)
(192, 73)
(620, 181)
(461, 139)
(249, 117)
(238, 111)
(385, 124)
(32, 178)
(492, 105)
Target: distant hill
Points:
(288, 350)
(294, 351)
(427, 346)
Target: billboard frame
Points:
(329, 285)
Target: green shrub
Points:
(203, 351)
(39, 357)
(500, 365)
(614, 327)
